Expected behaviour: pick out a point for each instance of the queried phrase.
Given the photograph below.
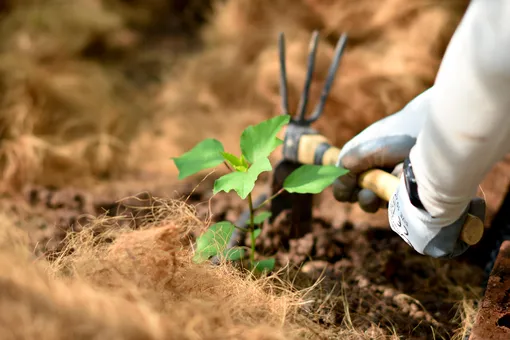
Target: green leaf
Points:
(312, 179)
(244, 161)
(239, 164)
(214, 241)
(206, 154)
(258, 141)
(242, 182)
(259, 218)
(234, 254)
(264, 265)
(256, 232)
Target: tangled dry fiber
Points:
(138, 285)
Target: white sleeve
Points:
(468, 127)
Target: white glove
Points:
(426, 234)
(385, 145)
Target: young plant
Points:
(257, 143)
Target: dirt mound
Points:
(371, 272)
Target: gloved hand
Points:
(385, 145)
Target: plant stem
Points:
(252, 227)
(269, 199)
(228, 166)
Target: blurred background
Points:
(100, 90)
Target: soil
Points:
(493, 320)
(366, 274)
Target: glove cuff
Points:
(411, 185)
(415, 226)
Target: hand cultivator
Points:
(304, 145)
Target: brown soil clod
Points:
(493, 319)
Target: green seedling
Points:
(257, 143)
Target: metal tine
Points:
(283, 75)
(339, 51)
(303, 102)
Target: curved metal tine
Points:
(303, 102)
(339, 51)
(283, 75)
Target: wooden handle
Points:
(380, 182)
(315, 149)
